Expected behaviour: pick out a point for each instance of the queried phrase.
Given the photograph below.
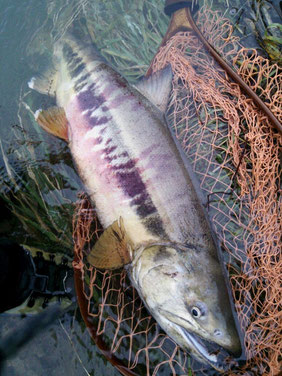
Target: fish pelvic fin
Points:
(53, 121)
(157, 87)
(45, 83)
(113, 249)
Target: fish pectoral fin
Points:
(112, 249)
(53, 121)
(157, 87)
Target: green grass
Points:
(128, 34)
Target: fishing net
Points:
(234, 151)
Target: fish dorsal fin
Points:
(157, 87)
(112, 249)
(54, 121)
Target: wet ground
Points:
(61, 349)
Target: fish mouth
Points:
(204, 351)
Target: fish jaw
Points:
(173, 283)
(198, 350)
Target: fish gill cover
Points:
(233, 149)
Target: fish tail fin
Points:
(45, 83)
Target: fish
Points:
(144, 193)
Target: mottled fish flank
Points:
(121, 147)
(99, 93)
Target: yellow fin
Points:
(54, 121)
(112, 249)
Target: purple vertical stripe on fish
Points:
(79, 69)
(81, 82)
(97, 121)
(123, 166)
(108, 151)
(103, 130)
(88, 100)
(131, 183)
(111, 158)
(133, 186)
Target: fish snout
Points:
(235, 347)
(231, 342)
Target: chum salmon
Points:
(144, 193)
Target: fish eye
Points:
(196, 312)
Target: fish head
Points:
(185, 291)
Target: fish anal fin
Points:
(157, 87)
(53, 121)
(112, 249)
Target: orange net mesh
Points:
(234, 151)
